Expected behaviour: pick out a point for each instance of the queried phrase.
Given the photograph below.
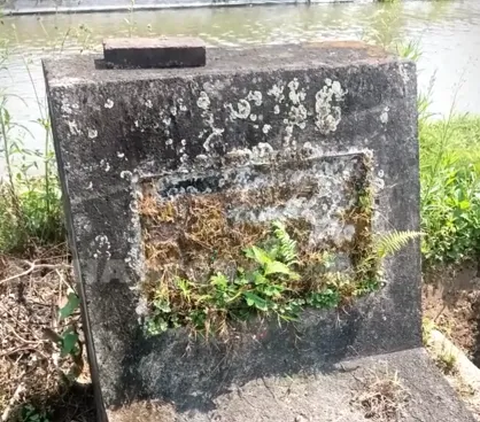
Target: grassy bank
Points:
(450, 179)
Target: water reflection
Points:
(447, 32)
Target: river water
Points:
(447, 33)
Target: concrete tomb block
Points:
(226, 223)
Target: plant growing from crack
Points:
(269, 284)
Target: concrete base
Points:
(327, 396)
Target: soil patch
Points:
(451, 300)
(36, 383)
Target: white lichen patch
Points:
(216, 133)
(266, 128)
(295, 96)
(102, 246)
(203, 101)
(105, 165)
(72, 126)
(384, 115)
(242, 110)
(127, 175)
(327, 106)
(148, 104)
(92, 133)
(276, 109)
(297, 112)
(276, 91)
(109, 103)
(256, 97)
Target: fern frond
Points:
(288, 246)
(392, 242)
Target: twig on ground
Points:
(19, 390)
(33, 267)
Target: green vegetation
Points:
(277, 279)
(450, 176)
(30, 209)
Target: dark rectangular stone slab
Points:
(144, 53)
(116, 130)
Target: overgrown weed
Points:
(30, 207)
(450, 178)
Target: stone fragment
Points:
(147, 53)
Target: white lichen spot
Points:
(216, 132)
(327, 108)
(276, 109)
(266, 128)
(253, 117)
(183, 142)
(72, 126)
(384, 115)
(256, 97)
(92, 133)
(125, 174)
(183, 107)
(276, 92)
(262, 149)
(105, 164)
(242, 112)
(169, 142)
(148, 104)
(295, 96)
(173, 111)
(109, 103)
(68, 108)
(103, 246)
(201, 157)
(404, 73)
(203, 101)
(120, 154)
(90, 186)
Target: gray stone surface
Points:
(144, 53)
(116, 129)
(329, 395)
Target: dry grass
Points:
(382, 396)
(32, 373)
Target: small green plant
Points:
(29, 413)
(270, 283)
(68, 341)
(446, 360)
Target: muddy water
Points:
(447, 32)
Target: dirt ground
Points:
(33, 375)
(451, 300)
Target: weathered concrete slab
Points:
(316, 120)
(331, 395)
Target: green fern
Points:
(287, 249)
(392, 242)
